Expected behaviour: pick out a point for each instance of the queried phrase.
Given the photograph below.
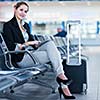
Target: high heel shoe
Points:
(67, 82)
(65, 96)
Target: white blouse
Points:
(24, 33)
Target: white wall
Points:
(55, 10)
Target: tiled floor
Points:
(35, 92)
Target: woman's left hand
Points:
(32, 43)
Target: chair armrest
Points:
(35, 61)
(22, 51)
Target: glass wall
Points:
(89, 29)
(49, 28)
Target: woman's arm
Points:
(8, 37)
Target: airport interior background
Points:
(44, 17)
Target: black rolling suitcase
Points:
(75, 66)
(78, 73)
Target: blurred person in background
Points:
(61, 32)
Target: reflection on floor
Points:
(35, 92)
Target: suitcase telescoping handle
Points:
(74, 60)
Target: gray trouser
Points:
(48, 52)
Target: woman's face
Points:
(21, 12)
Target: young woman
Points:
(17, 37)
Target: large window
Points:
(88, 29)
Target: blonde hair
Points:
(21, 3)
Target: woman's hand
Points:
(32, 43)
(29, 43)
